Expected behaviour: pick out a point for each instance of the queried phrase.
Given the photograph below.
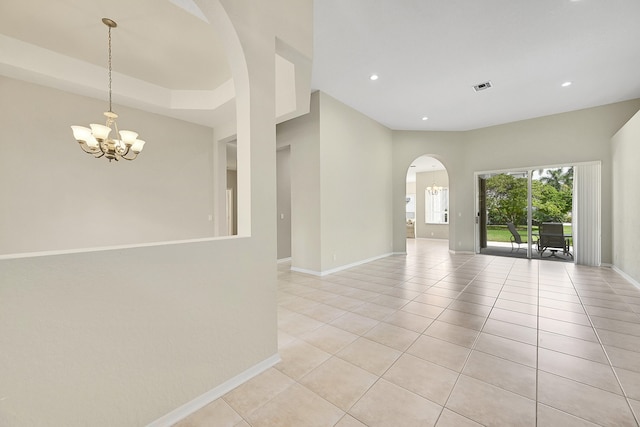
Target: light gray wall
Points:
(283, 214)
(57, 197)
(424, 180)
(578, 136)
(302, 135)
(122, 337)
(355, 154)
(340, 186)
(626, 198)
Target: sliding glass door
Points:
(515, 206)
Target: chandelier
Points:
(96, 141)
(434, 189)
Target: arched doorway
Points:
(427, 200)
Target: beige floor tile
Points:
(370, 355)
(242, 423)
(427, 379)
(426, 310)
(413, 322)
(436, 300)
(340, 382)
(502, 373)
(509, 316)
(323, 312)
(296, 406)
(625, 359)
(449, 418)
(511, 296)
(596, 302)
(386, 404)
(560, 296)
(403, 293)
(511, 331)
(477, 299)
(443, 353)
(561, 305)
(349, 421)
(249, 396)
(329, 338)
(505, 348)
(624, 341)
(355, 323)
(519, 307)
(452, 333)
(390, 301)
(635, 405)
(490, 405)
(392, 336)
(566, 328)
(549, 417)
(344, 302)
(573, 346)
(460, 318)
(374, 311)
(585, 371)
(630, 382)
(593, 404)
(217, 413)
(624, 313)
(617, 325)
(299, 358)
(471, 308)
(299, 324)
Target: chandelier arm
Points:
(127, 158)
(82, 145)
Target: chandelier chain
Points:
(110, 69)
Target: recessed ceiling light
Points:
(425, 118)
(565, 84)
(373, 77)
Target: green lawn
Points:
(500, 233)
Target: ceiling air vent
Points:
(482, 86)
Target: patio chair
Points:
(551, 236)
(515, 236)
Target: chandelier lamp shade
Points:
(96, 141)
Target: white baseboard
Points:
(342, 267)
(203, 400)
(283, 260)
(451, 251)
(633, 281)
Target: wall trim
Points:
(633, 281)
(341, 268)
(114, 247)
(201, 401)
(283, 260)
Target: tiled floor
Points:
(438, 339)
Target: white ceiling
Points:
(428, 54)
(423, 164)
